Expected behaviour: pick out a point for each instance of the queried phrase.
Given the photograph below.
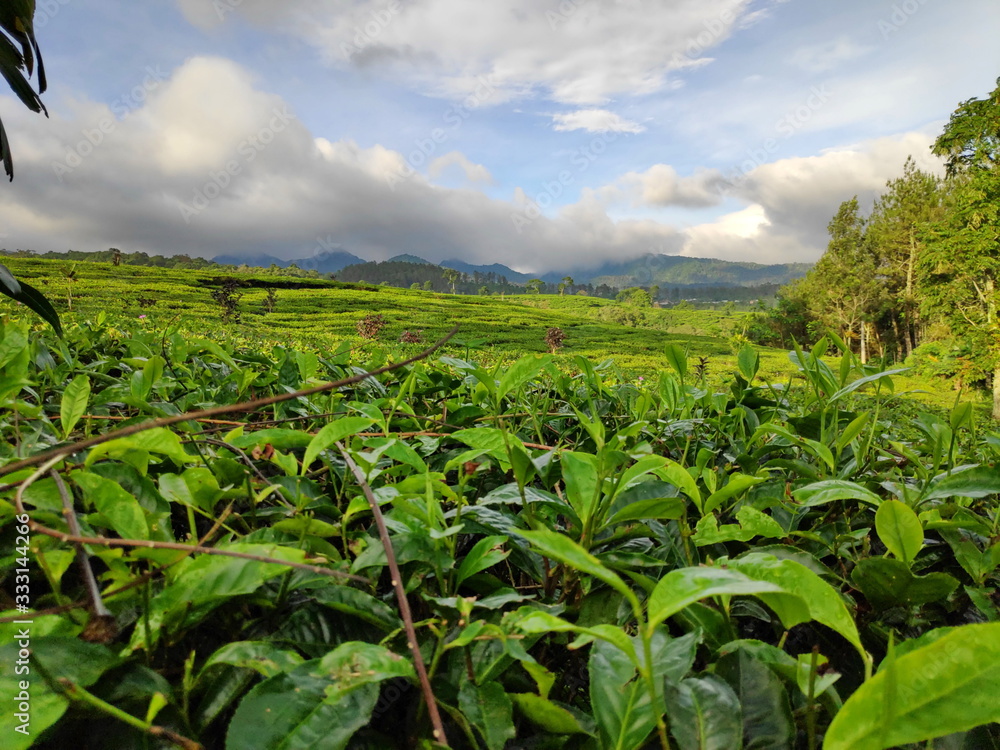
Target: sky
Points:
(542, 134)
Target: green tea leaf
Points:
(69, 658)
(678, 476)
(264, 658)
(320, 703)
(114, 503)
(748, 361)
(483, 555)
(976, 481)
(680, 588)
(75, 397)
(579, 471)
(948, 686)
(489, 710)
(662, 508)
(890, 583)
(767, 713)
(519, 373)
(828, 490)
(899, 529)
(822, 602)
(330, 434)
(566, 551)
(553, 717)
(737, 484)
(676, 358)
(705, 714)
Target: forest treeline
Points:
(914, 279)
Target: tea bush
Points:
(586, 561)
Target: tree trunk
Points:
(910, 332)
(864, 343)
(996, 392)
(900, 346)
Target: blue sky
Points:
(544, 134)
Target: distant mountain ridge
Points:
(676, 270)
(328, 261)
(647, 270)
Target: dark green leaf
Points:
(705, 714)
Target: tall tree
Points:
(451, 276)
(961, 268)
(843, 289)
(897, 231)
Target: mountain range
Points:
(646, 270)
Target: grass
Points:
(322, 314)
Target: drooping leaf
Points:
(28, 296)
(821, 601)
(678, 476)
(207, 582)
(565, 550)
(679, 588)
(330, 434)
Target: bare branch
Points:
(404, 604)
(68, 450)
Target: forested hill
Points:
(674, 270)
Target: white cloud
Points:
(595, 121)
(823, 57)
(791, 201)
(474, 173)
(660, 185)
(575, 51)
(186, 173)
